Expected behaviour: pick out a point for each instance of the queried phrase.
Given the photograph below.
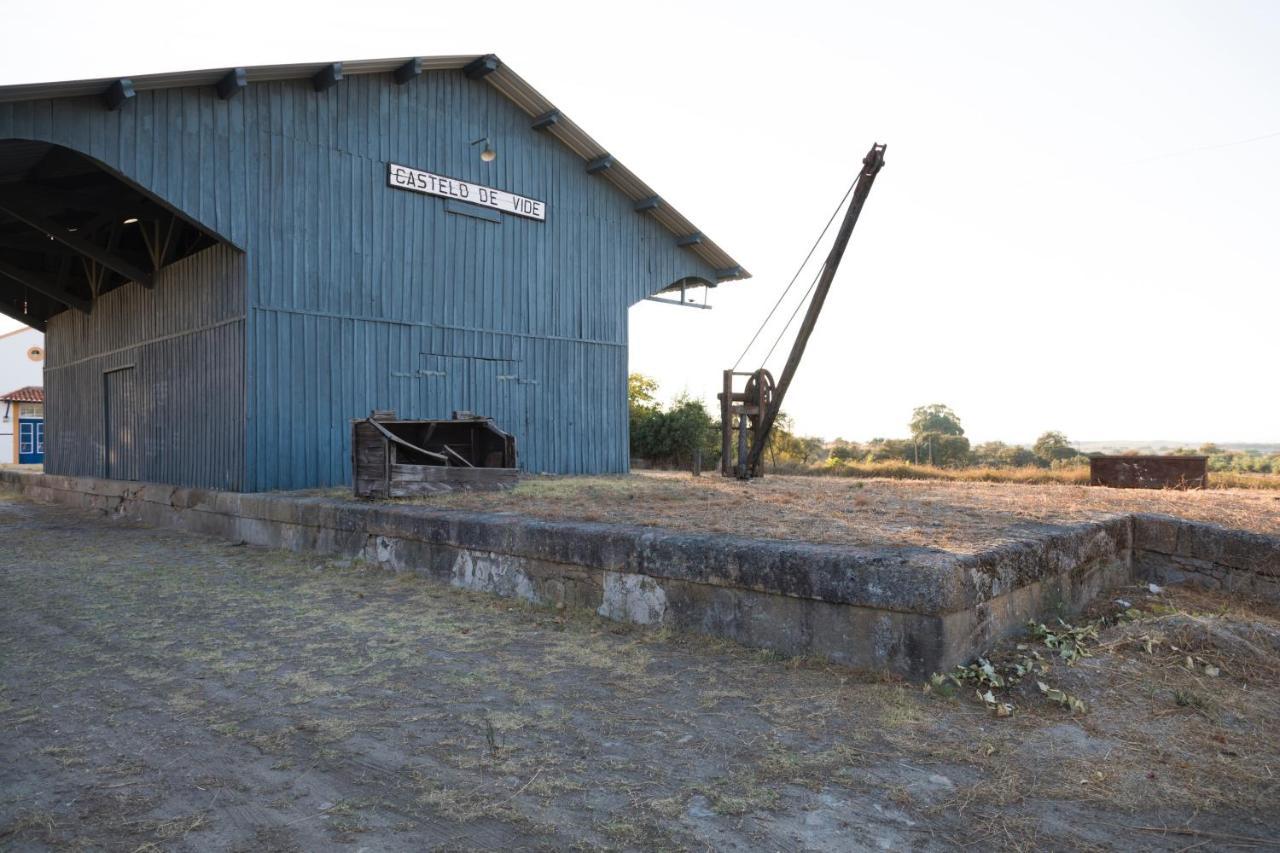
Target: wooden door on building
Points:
(123, 443)
(496, 390)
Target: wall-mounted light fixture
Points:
(132, 220)
(487, 154)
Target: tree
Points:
(1052, 446)
(810, 449)
(780, 438)
(642, 392)
(672, 435)
(935, 419)
(890, 449)
(997, 454)
(847, 451)
(1018, 457)
(642, 409)
(951, 451)
(686, 428)
(990, 453)
(937, 436)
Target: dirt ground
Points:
(956, 517)
(163, 691)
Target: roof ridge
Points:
(487, 68)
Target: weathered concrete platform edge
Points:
(911, 610)
(904, 579)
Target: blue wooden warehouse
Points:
(229, 265)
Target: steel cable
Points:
(794, 278)
(792, 318)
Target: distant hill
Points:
(1164, 446)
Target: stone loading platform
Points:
(909, 609)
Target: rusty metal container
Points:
(1149, 472)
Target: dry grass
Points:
(955, 516)
(1028, 474)
(1187, 683)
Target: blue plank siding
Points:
(184, 340)
(353, 295)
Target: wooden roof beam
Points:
(546, 120)
(72, 240)
(42, 285)
(408, 71)
(481, 67)
(232, 83)
(599, 164)
(118, 94)
(328, 77)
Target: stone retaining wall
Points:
(1173, 550)
(908, 609)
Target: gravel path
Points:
(166, 691)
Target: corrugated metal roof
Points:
(506, 81)
(29, 394)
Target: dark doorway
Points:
(123, 444)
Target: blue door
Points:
(31, 441)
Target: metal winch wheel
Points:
(761, 387)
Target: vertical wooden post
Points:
(386, 467)
(355, 466)
(726, 425)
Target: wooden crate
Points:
(393, 458)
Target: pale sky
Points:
(1065, 236)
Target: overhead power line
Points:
(1215, 147)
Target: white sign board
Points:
(418, 181)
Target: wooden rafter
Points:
(72, 240)
(14, 310)
(40, 284)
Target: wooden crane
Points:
(752, 411)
